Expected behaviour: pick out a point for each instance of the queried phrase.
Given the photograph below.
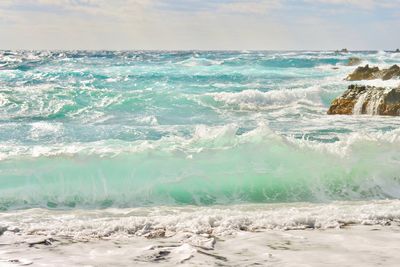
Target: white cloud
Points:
(174, 24)
(363, 4)
(250, 6)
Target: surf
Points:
(215, 166)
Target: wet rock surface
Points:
(371, 73)
(360, 99)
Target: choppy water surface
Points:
(103, 129)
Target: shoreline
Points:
(360, 245)
(287, 234)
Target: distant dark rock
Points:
(368, 73)
(359, 99)
(344, 50)
(397, 50)
(354, 61)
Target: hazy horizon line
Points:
(205, 50)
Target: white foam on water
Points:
(148, 120)
(256, 100)
(108, 101)
(3, 100)
(352, 144)
(380, 83)
(195, 61)
(43, 129)
(203, 136)
(217, 220)
(359, 246)
(204, 132)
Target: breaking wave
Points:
(198, 225)
(214, 166)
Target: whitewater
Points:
(201, 150)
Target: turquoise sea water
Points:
(97, 129)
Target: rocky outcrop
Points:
(392, 72)
(344, 50)
(364, 73)
(359, 99)
(354, 61)
(368, 73)
(397, 50)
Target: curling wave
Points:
(215, 166)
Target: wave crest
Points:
(256, 100)
(215, 166)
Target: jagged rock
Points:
(360, 99)
(368, 73)
(353, 61)
(364, 73)
(344, 50)
(392, 72)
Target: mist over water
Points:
(103, 129)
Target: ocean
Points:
(130, 144)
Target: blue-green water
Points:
(126, 129)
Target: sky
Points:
(200, 24)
